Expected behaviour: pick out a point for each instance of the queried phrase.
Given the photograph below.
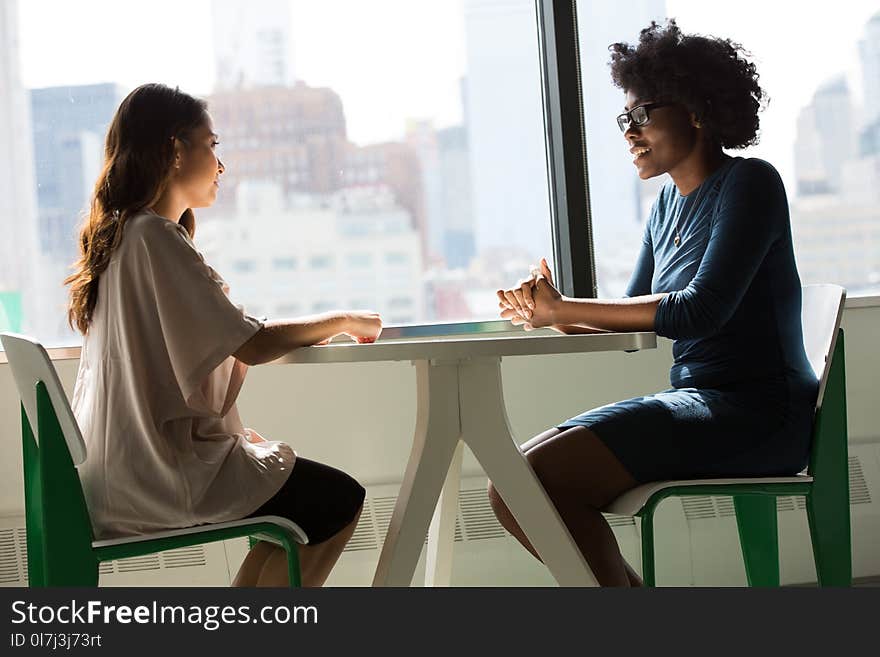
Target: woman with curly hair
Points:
(716, 274)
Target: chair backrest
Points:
(59, 529)
(821, 312)
(30, 363)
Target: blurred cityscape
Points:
(424, 228)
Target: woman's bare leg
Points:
(581, 476)
(316, 561)
(249, 571)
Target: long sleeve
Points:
(751, 217)
(640, 281)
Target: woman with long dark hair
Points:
(716, 274)
(165, 354)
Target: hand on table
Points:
(363, 326)
(532, 303)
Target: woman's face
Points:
(664, 142)
(197, 167)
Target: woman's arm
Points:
(597, 315)
(278, 337)
(575, 316)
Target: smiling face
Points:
(197, 167)
(663, 144)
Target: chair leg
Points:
(294, 575)
(828, 515)
(758, 537)
(647, 527)
(81, 575)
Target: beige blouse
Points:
(155, 393)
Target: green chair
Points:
(825, 484)
(61, 547)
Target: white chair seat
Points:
(632, 501)
(244, 522)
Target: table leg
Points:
(486, 431)
(441, 535)
(436, 437)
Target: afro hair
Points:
(708, 76)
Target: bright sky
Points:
(387, 72)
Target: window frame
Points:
(565, 139)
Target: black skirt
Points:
(320, 499)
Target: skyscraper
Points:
(18, 252)
(69, 126)
(252, 44)
(456, 196)
(294, 136)
(869, 56)
(826, 138)
(446, 179)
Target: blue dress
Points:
(743, 392)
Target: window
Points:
(285, 264)
(377, 152)
(821, 128)
(396, 259)
(244, 266)
(359, 260)
(321, 262)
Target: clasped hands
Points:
(533, 302)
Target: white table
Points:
(460, 400)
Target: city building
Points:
(296, 138)
(456, 196)
(292, 135)
(869, 59)
(355, 248)
(837, 240)
(825, 138)
(69, 127)
(836, 215)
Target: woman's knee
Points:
(576, 466)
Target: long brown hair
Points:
(138, 159)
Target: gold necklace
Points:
(677, 239)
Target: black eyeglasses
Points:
(637, 115)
